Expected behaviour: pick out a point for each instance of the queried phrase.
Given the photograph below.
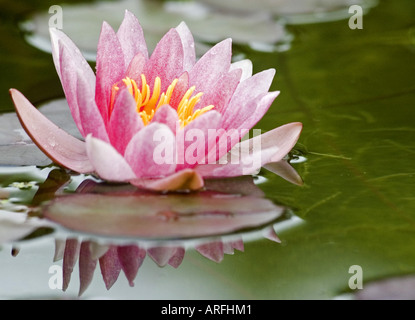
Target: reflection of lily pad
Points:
(83, 23)
(161, 216)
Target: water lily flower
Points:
(162, 121)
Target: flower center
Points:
(147, 102)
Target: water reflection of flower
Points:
(114, 258)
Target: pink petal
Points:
(221, 93)
(188, 180)
(211, 66)
(91, 119)
(110, 67)
(238, 245)
(251, 154)
(195, 140)
(69, 81)
(189, 53)
(287, 136)
(70, 258)
(68, 62)
(212, 250)
(259, 111)
(166, 60)
(167, 115)
(270, 234)
(86, 267)
(228, 247)
(131, 37)
(58, 145)
(243, 103)
(136, 67)
(110, 266)
(131, 258)
(61, 41)
(151, 152)
(124, 121)
(177, 258)
(107, 162)
(162, 255)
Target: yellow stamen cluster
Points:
(148, 103)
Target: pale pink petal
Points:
(285, 137)
(189, 53)
(131, 38)
(270, 234)
(261, 108)
(211, 66)
(238, 245)
(131, 258)
(60, 41)
(70, 257)
(246, 164)
(186, 180)
(221, 93)
(58, 145)
(250, 155)
(91, 119)
(110, 67)
(227, 248)
(106, 161)
(246, 67)
(283, 169)
(230, 246)
(124, 121)
(151, 152)
(196, 139)
(243, 103)
(97, 249)
(166, 61)
(69, 80)
(162, 255)
(110, 266)
(211, 250)
(69, 62)
(168, 116)
(86, 267)
(59, 249)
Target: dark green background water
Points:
(354, 91)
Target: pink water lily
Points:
(148, 120)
